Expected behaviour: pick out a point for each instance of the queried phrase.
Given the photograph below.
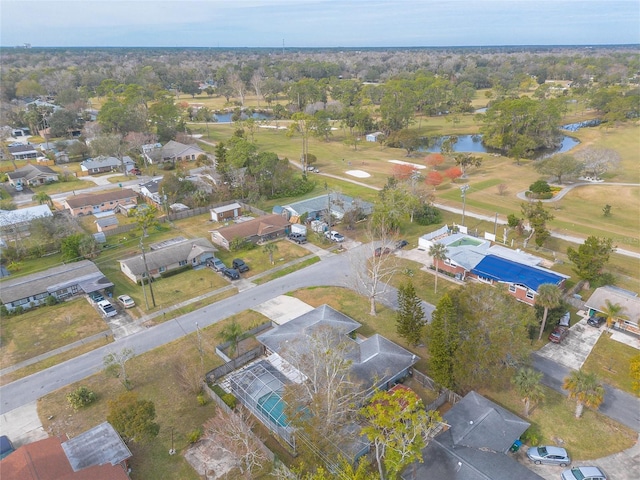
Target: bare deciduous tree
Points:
(232, 433)
(371, 271)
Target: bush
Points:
(171, 273)
(531, 436)
(230, 400)
(540, 186)
(202, 399)
(194, 436)
(512, 220)
(81, 397)
(51, 300)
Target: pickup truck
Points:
(334, 236)
(106, 308)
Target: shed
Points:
(226, 212)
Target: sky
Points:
(317, 23)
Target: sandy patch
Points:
(414, 165)
(210, 461)
(357, 173)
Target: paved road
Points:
(618, 405)
(332, 270)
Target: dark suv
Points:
(231, 273)
(298, 237)
(240, 265)
(596, 321)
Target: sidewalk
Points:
(316, 251)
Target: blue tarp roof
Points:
(503, 270)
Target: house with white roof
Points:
(13, 223)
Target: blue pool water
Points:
(273, 407)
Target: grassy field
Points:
(610, 361)
(44, 329)
(154, 378)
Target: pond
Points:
(473, 144)
(227, 117)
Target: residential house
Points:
(372, 137)
(104, 164)
(32, 175)
(98, 454)
(172, 152)
(166, 256)
(226, 212)
(472, 258)
(151, 192)
(62, 282)
(15, 223)
(23, 152)
(317, 208)
(256, 230)
(375, 363)
(629, 302)
(89, 204)
(474, 445)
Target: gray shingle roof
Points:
(339, 205)
(22, 215)
(31, 171)
(23, 287)
(374, 359)
(185, 250)
(474, 446)
(106, 162)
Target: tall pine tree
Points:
(442, 342)
(410, 314)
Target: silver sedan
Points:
(549, 455)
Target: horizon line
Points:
(28, 46)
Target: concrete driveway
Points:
(283, 308)
(22, 425)
(575, 348)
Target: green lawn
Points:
(40, 330)
(154, 378)
(610, 361)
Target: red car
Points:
(559, 333)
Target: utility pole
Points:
(144, 290)
(495, 224)
(464, 189)
(146, 269)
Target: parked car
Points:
(559, 334)
(584, 473)
(126, 301)
(565, 320)
(135, 171)
(401, 244)
(334, 236)
(6, 447)
(19, 187)
(549, 455)
(596, 321)
(216, 264)
(231, 273)
(298, 237)
(239, 265)
(378, 252)
(96, 296)
(106, 308)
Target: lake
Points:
(226, 117)
(473, 144)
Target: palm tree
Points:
(527, 383)
(232, 333)
(585, 389)
(613, 311)
(42, 198)
(270, 249)
(438, 252)
(549, 296)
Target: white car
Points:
(126, 301)
(334, 236)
